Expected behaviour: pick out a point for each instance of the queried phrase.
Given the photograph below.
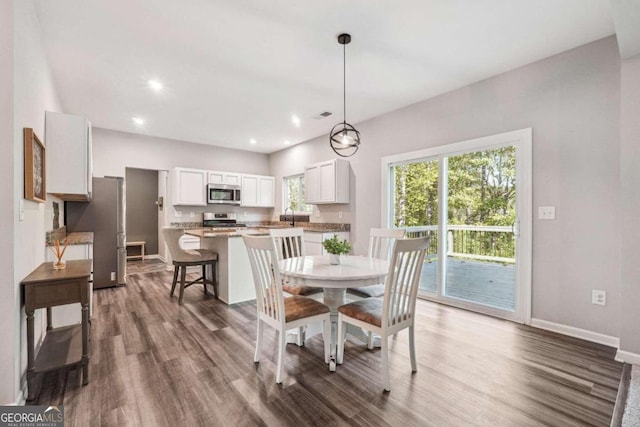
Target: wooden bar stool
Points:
(188, 258)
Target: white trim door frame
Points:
(522, 141)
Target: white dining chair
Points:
(396, 310)
(380, 245)
(289, 243)
(273, 308)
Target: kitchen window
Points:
(293, 194)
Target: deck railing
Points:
(487, 243)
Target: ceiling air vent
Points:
(323, 115)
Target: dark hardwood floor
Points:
(156, 363)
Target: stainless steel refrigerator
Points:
(105, 216)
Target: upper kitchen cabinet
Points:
(257, 191)
(327, 182)
(216, 177)
(69, 161)
(189, 187)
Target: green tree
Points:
(481, 191)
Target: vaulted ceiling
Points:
(238, 70)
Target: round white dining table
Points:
(316, 271)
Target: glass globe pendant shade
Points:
(344, 139)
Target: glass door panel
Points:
(481, 221)
(415, 209)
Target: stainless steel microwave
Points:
(223, 194)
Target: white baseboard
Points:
(628, 357)
(576, 332)
(21, 398)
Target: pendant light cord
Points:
(344, 83)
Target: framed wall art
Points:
(34, 168)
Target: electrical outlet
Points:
(113, 275)
(178, 214)
(547, 212)
(598, 297)
(192, 214)
(340, 214)
(317, 213)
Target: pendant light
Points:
(344, 138)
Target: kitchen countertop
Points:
(315, 227)
(248, 231)
(76, 238)
(224, 233)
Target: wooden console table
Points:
(66, 346)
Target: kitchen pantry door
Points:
(474, 199)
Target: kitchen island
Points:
(235, 280)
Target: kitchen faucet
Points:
(293, 217)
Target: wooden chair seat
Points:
(300, 290)
(372, 291)
(196, 256)
(366, 310)
(298, 307)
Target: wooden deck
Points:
(486, 283)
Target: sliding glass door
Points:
(474, 200)
(481, 228)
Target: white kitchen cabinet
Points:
(327, 182)
(230, 178)
(189, 187)
(69, 157)
(257, 191)
(70, 314)
(313, 240)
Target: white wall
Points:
(113, 151)
(33, 92)
(9, 330)
(630, 204)
(572, 102)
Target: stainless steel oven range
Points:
(221, 220)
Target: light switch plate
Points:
(547, 212)
(21, 210)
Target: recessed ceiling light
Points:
(155, 85)
(287, 142)
(138, 121)
(253, 141)
(295, 120)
